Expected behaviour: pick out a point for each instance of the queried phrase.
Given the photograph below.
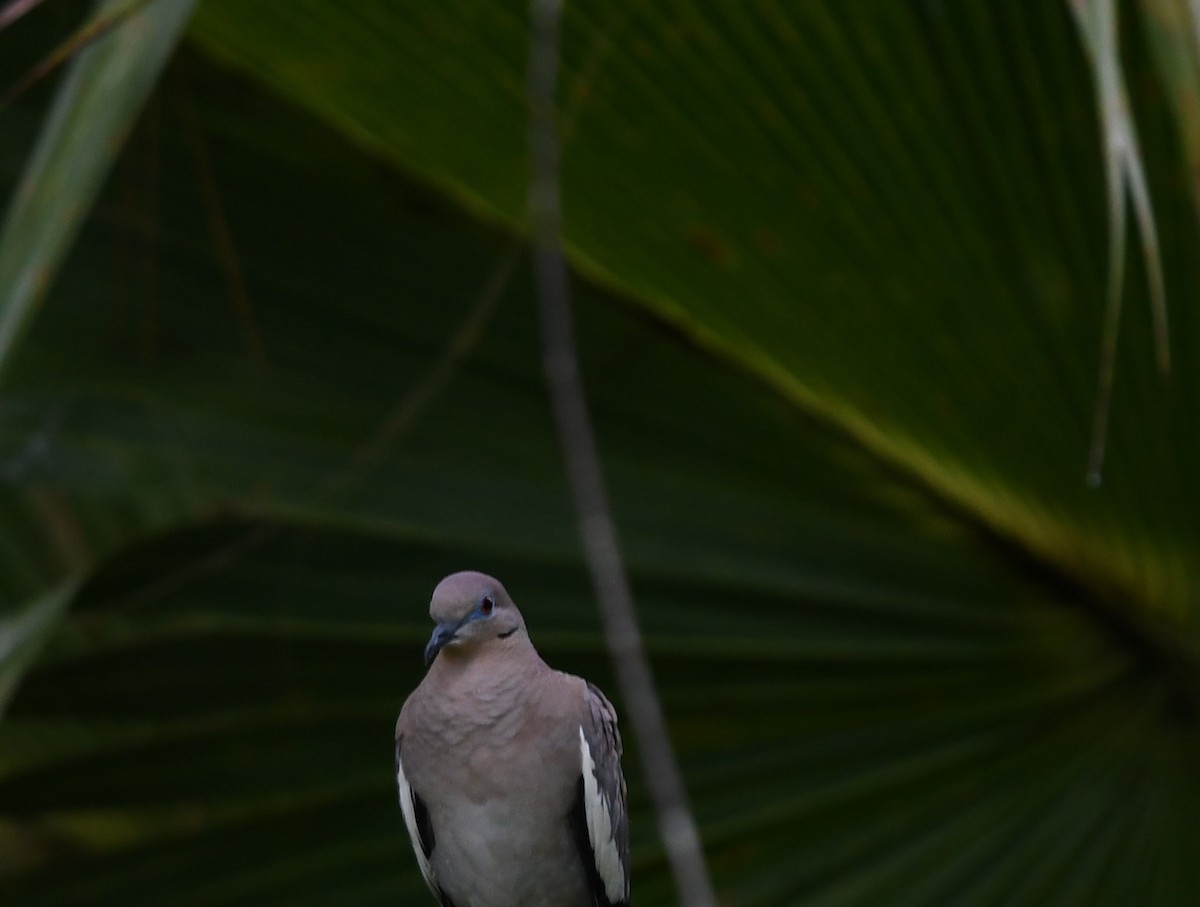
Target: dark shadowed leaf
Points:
(841, 272)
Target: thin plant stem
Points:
(677, 826)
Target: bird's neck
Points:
(482, 683)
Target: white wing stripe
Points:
(410, 819)
(600, 828)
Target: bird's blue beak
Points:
(442, 634)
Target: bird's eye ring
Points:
(486, 605)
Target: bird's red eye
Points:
(486, 606)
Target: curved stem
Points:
(677, 826)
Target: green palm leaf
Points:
(841, 271)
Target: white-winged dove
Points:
(509, 771)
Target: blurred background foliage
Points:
(840, 275)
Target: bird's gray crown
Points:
(459, 594)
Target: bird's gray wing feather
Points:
(420, 829)
(600, 817)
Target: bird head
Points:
(471, 610)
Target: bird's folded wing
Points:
(600, 818)
(420, 829)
